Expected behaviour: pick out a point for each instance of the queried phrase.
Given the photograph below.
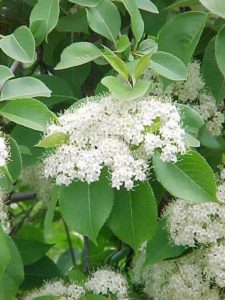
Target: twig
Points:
(18, 197)
(70, 244)
(86, 255)
(15, 65)
(19, 225)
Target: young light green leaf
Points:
(27, 112)
(215, 6)
(168, 65)
(190, 179)
(53, 140)
(86, 207)
(117, 63)
(105, 19)
(137, 24)
(19, 45)
(78, 54)
(214, 79)
(5, 74)
(134, 215)
(44, 12)
(160, 246)
(4, 253)
(122, 92)
(13, 275)
(143, 64)
(122, 43)
(220, 45)
(87, 3)
(180, 35)
(24, 87)
(147, 5)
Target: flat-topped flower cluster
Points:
(121, 136)
(105, 282)
(192, 91)
(199, 275)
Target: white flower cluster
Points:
(182, 278)
(59, 289)
(32, 177)
(4, 151)
(121, 136)
(221, 187)
(193, 224)
(191, 91)
(107, 282)
(4, 218)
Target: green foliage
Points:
(160, 247)
(184, 179)
(78, 203)
(215, 6)
(181, 34)
(5, 256)
(5, 74)
(19, 45)
(220, 42)
(134, 215)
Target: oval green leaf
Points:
(220, 46)
(134, 215)
(168, 65)
(190, 179)
(19, 45)
(215, 6)
(78, 54)
(5, 74)
(24, 87)
(86, 207)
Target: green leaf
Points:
(4, 253)
(160, 246)
(220, 44)
(122, 43)
(13, 275)
(47, 298)
(15, 163)
(143, 64)
(134, 215)
(148, 46)
(86, 207)
(39, 272)
(24, 87)
(31, 250)
(78, 54)
(117, 63)
(168, 65)
(88, 3)
(5, 74)
(209, 141)
(51, 210)
(27, 112)
(76, 276)
(47, 13)
(191, 119)
(190, 179)
(53, 140)
(74, 23)
(93, 297)
(181, 34)
(120, 91)
(215, 6)
(19, 45)
(105, 19)
(147, 5)
(137, 24)
(39, 29)
(214, 79)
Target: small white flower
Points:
(58, 288)
(4, 152)
(107, 282)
